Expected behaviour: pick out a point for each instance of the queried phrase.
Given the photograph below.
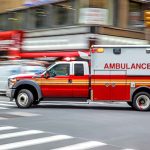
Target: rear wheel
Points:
(24, 98)
(141, 101)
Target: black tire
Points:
(130, 104)
(24, 98)
(141, 101)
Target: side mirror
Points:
(47, 75)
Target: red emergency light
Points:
(69, 58)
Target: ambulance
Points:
(116, 73)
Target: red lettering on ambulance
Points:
(133, 66)
(148, 66)
(106, 66)
(117, 66)
(112, 66)
(144, 66)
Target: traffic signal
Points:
(147, 18)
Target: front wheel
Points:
(24, 98)
(141, 101)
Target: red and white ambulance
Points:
(112, 73)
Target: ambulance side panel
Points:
(118, 71)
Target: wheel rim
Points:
(23, 99)
(143, 102)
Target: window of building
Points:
(52, 15)
(136, 15)
(16, 20)
(40, 16)
(64, 13)
(4, 22)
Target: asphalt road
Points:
(103, 126)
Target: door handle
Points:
(107, 84)
(113, 84)
(69, 80)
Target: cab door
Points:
(80, 81)
(58, 84)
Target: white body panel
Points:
(135, 60)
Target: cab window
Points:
(60, 70)
(78, 70)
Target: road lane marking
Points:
(4, 108)
(34, 142)
(22, 133)
(2, 104)
(24, 114)
(81, 146)
(7, 102)
(128, 149)
(2, 118)
(7, 128)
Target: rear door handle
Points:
(107, 84)
(69, 80)
(113, 84)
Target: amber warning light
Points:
(147, 18)
(97, 50)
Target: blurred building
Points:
(74, 24)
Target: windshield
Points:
(48, 68)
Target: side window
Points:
(78, 70)
(60, 70)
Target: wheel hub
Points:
(23, 99)
(143, 102)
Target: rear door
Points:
(101, 85)
(110, 85)
(80, 80)
(118, 85)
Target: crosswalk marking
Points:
(22, 133)
(7, 128)
(7, 102)
(82, 146)
(4, 108)
(40, 138)
(2, 118)
(24, 114)
(128, 149)
(8, 115)
(34, 142)
(2, 104)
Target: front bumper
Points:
(10, 93)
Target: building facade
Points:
(42, 14)
(76, 24)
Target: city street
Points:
(77, 52)
(103, 126)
